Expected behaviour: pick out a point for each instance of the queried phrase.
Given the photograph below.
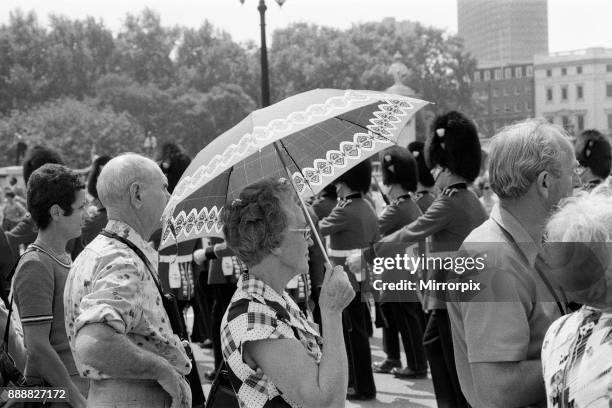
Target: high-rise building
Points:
(500, 32)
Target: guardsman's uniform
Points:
(423, 199)
(402, 309)
(353, 225)
(448, 221)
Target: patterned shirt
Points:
(258, 312)
(108, 283)
(576, 360)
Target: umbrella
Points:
(312, 138)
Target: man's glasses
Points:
(306, 231)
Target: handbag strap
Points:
(139, 253)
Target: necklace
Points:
(63, 259)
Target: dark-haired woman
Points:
(56, 198)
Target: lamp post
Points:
(265, 80)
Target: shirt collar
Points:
(125, 231)
(257, 288)
(508, 222)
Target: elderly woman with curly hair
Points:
(577, 347)
(277, 357)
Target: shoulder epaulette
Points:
(343, 203)
(449, 191)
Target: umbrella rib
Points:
(296, 165)
(364, 128)
(231, 170)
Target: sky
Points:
(573, 24)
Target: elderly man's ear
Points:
(136, 197)
(543, 184)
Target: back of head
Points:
(49, 185)
(518, 153)
(417, 148)
(398, 167)
(592, 150)
(453, 144)
(359, 177)
(254, 222)
(117, 176)
(36, 157)
(94, 173)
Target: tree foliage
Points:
(190, 85)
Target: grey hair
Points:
(117, 176)
(585, 217)
(518, 153)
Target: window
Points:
(579, 70)
(549, 94)
(495, 92)
(609, 68)
(609, 90)
(477, 76)
(563, 71)
(508, 73)
(498, 74)
(517, 107)
(517, 90)
(507, 91)
(487, 75)
(528, 89)
(610, 121)
(564, 93)
(579, 92)
(528, 106)
(518, 72)
(565, 121)
(529, 71)
(495, 108)
(580, 122)
(549, 72)
(506, 107)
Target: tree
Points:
(74, 128)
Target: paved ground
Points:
(392, 392)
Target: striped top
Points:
(38, 287)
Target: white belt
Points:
(344, 253)
(176, 258)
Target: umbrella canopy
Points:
(320, 134)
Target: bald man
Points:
(118, 330)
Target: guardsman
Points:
(453, 153)
(593, 153)
(401, 309)
(424, 196)
(325, 202)
(353, 225)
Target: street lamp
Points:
(265, 81)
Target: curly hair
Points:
(254, 223)
(49, 185)
(92, 179)
(36, 157)
(453, 144)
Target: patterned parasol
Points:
(314, 136)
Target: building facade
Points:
(505, 94)
(574, 89)
(500, 32)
